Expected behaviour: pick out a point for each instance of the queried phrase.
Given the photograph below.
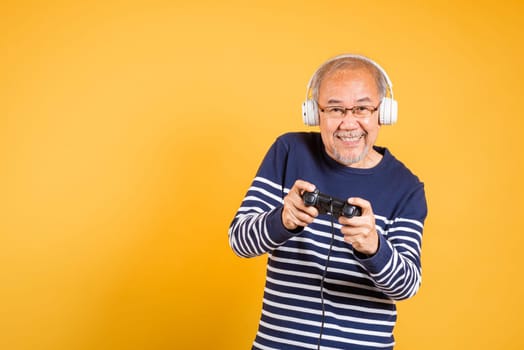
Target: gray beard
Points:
(348, 161)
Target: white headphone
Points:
(388, 108)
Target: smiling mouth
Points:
(350, 137)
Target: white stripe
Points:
(411, 221)
(316, 277)
(327, 325)
(405, 229)
(246, 239)
(390, 222)
(406, 239)
(318, 266)
(263, 347)
(338, 316)
(268, 182)
(256, 199)
(315, 335)
(266, 193)
(317, 300)
(290, 342)
(392, 261)
(409, 248)
(320, 255)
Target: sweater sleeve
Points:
(257, 226)
(396, 267)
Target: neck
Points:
(370, 160)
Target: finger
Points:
(351, 231)
(295, 213)
(362, 203)
(301, 211)
(301, 185)
(295, 197)
(304, 218)
(294, 218)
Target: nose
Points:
(349, 121)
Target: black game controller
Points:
(330, 205)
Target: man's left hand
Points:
(360, 231)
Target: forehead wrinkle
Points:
(337, 101)
(364, 99)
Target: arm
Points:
(390, 249)
(257, 229)
(268, 216)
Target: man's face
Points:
(350, 139)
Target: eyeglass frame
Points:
(353, 110)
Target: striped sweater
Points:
(359, 293)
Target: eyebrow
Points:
(363, 99)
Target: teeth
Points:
(349, 138)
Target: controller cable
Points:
(322, 301)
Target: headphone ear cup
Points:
(388, 111)
(310, 112)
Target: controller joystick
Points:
(326, 204)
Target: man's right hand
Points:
(295, 213)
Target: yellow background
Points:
(130, 131)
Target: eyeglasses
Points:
(340, 112)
